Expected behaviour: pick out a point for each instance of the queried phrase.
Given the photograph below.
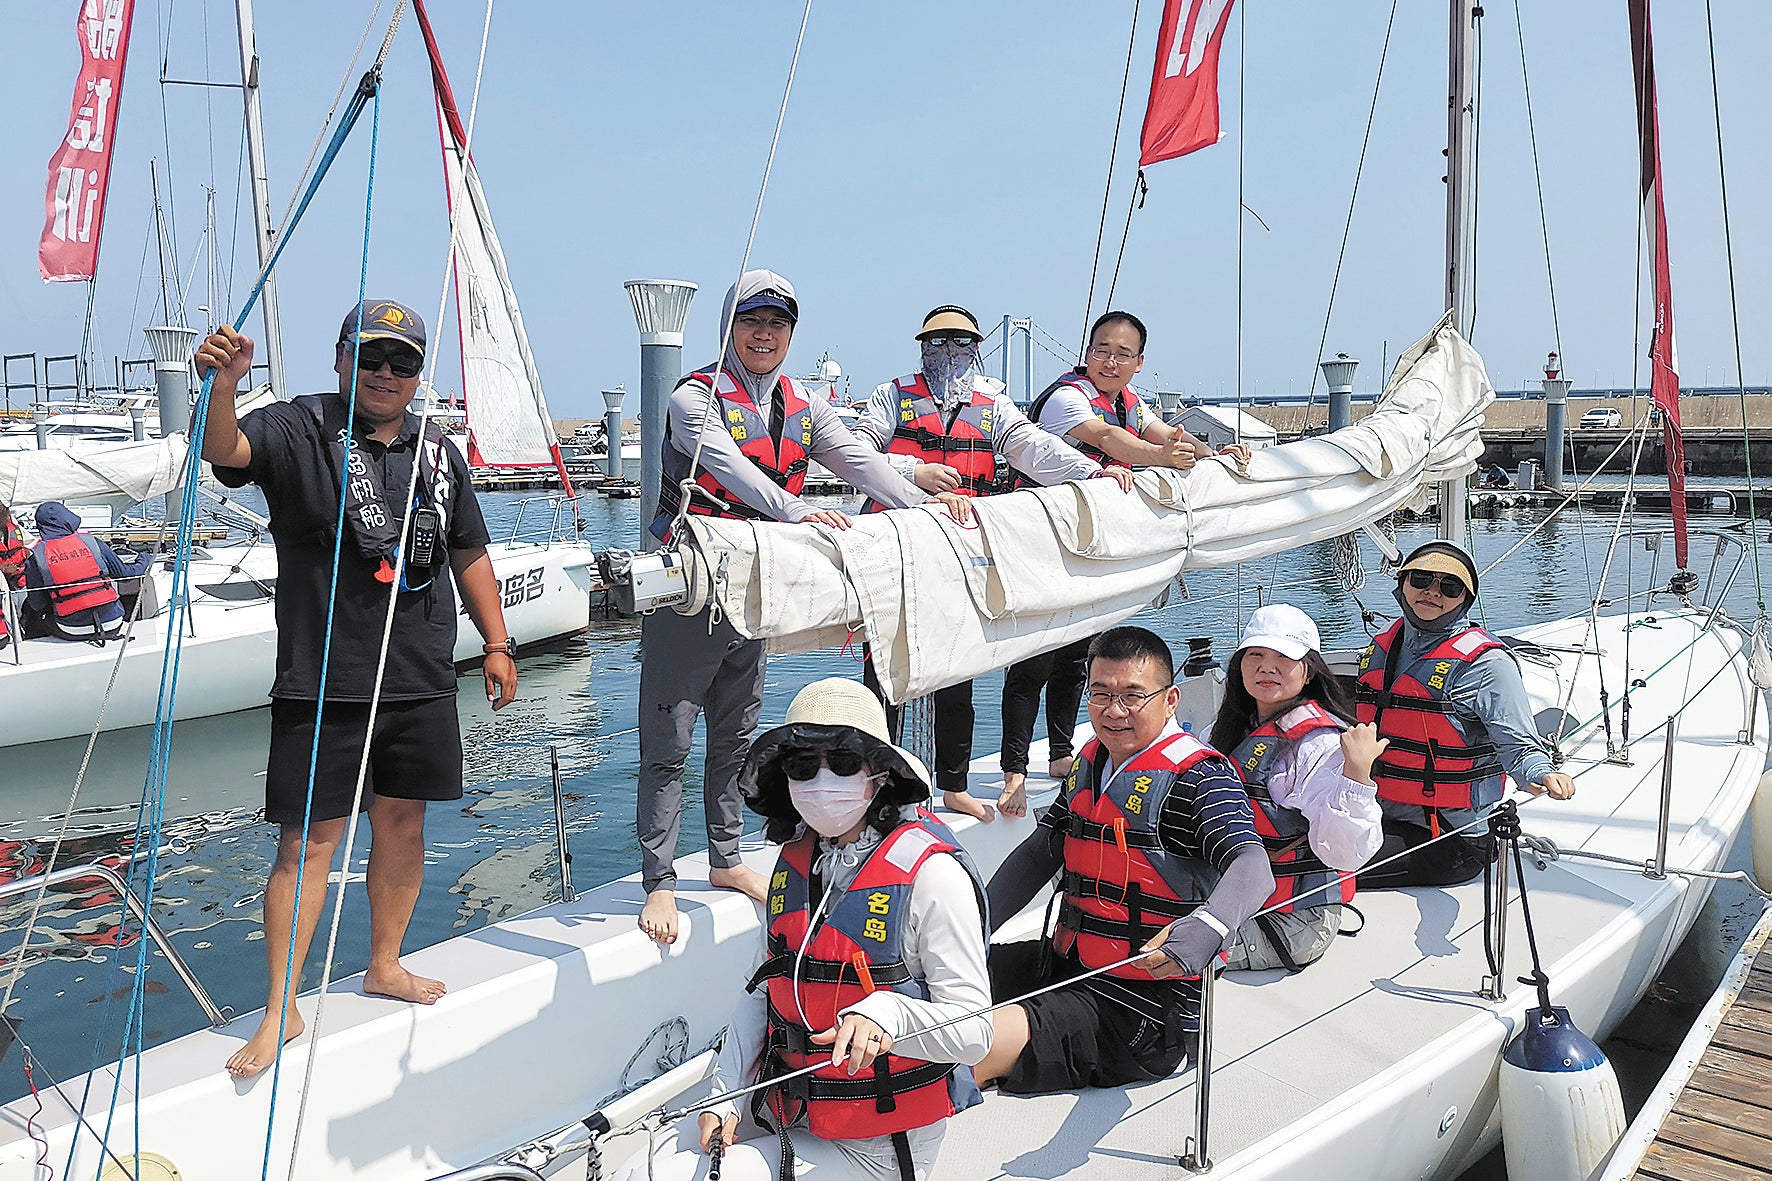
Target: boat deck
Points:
(1721, 1124)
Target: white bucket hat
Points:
(1284, 628)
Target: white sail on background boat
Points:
(508, 420)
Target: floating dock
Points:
(1711, 1116)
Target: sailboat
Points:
(52, 688)
(563, 1028)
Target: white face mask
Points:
(832, 804)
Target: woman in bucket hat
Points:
(876, 931)
(1285, 724)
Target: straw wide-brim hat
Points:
(833, 713)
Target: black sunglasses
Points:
(943, 341)
(404, 360)
(1451, 586)
(802, 763)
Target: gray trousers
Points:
(685, 672)
(1306, 934)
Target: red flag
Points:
(1664, 381)
(1183, 113)
(80, 170)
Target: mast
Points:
(1463, 13)
(261, 188)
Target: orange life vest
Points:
(76, 583)
(783, 457)
(1285, 831)
(1120, 885)
(963, 443)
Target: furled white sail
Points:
(508, 421)
(121, 472)
(942, 603)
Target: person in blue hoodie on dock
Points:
(72, 577)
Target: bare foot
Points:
(966, 802)
(1059, 768)
(742, 878)
(658, 918)
(397, 982)
(260, 1049)
(1014, 800)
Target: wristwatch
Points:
(508, 646)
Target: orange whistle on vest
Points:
(385, 573)
(1120, 833)
(860, 960)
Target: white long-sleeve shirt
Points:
(1041, 456)
(1345, 823)
(944, 946)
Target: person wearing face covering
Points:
(1448, 699)
(949, 428)
(741, 434)
(876, 934)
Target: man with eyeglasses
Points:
(949, 428)
(1155, 839)
(738, 441)
(1095, 408)
(297, 453)
(1450, 704)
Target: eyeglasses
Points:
(764, 323)
(1102, 353)
(1450, 585)
(1130, 702)
(402, 359)
(955, 341)
(802, 763)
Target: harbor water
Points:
(492, 854)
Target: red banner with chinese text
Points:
(1182, 116)
(1664, 381)
(80, 170)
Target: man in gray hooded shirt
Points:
(738, 439)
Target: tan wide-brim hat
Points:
(947, 319)
(1443, 557)
(831, 713)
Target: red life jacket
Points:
(13, 552)
(1114, 411)
(1120, 885)
(1285, 831)
(964, 444)
(857, 949)
(783, 458)
(1430, 761)
(75, 581)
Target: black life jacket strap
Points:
(1076, 919)
(907, 1168)
(1385, 699)
(1134, 899)
(1088, 830)
(871, 1086)
(781, 963)
(1276, 939)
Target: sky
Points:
(932, 153)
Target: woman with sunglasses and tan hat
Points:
(1448, 698)
(876, 932)
(1286, 723)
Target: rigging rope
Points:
(691, 489)
(1734, 311)
(1538, 178)
(1108, 187)
(1353, 197)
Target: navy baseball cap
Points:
(383, 319)
(786, 304)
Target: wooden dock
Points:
(1715, 1106)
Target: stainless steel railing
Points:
(218, 1016)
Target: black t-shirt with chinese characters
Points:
(290, 462)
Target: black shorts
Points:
(415, 755)
(1079, 1038)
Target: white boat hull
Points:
(53, 689)
(1379, 1062)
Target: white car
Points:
(1601, 416)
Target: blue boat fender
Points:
(1561, 1111)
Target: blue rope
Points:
(338, 535)
(152, 810)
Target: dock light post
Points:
(612, 400)
(1339, 373)
(172, 348)
(1169, 404)
(40, 422)
(661, 309)
(1556, 419)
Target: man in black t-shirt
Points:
(296, 453)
